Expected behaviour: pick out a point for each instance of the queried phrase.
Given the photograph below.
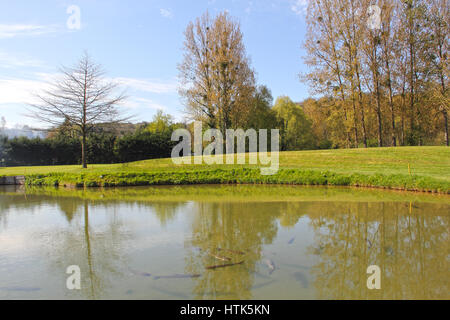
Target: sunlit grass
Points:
(424, 161)
(415, 168)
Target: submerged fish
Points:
(231, 251)
(271, 265)
(299, 276)
(291, 241)
(220, 257)
(21, 289)
(224, 265)
(177, 276)
(140, 273)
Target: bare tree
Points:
(82, 97)
(217, 81)
(324, 48)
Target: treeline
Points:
(383, 75)
(103, 145)
(118, 143)
(379, 67)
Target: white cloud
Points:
(21, 91)
(166, 13)
(15, 30)
(143, 103)
(300, 6)
(154, 86)
(8, 60)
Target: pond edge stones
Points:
(12, 180)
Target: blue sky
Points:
(139, 44)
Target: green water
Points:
(285, 242)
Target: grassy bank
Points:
(406, 168)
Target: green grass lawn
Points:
(376, 167)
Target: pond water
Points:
(223, 242)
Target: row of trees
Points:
(104, 144)
(382, 83)
(386, 81)
(112, 142)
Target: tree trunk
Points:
(377, 91)
(403, 129)
(355, 118)
(412, 80)
(446, 127)
(355, 122)
(391, 101)
(379, 116)
(345, 113)
(403, 108)
(394, 140)
(363, 122)
(88, 248)
(83, 151)
(361, 108)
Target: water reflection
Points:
(408, 241)
(98, 251)
(294, 242)
(228, 226)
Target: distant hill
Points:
(119, 129)
(23, 132)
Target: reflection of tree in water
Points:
(69, 205)
(18, 200)
(69, 208)
(166, 211)
(32, 203)
(408, 242)
(235, 226)
(3, 210)
(97, 250)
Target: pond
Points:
(223, 242)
